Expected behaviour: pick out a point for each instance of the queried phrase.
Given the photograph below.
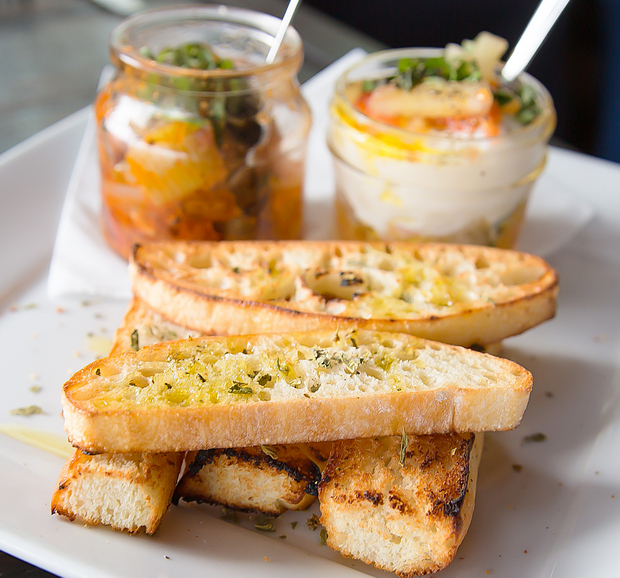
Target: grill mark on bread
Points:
(297, 473)
(207, 457)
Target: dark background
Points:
(579, 63)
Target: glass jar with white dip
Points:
(464, 178)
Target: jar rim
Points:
(289, 55)
(545, 121)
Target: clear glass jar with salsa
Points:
(431, 145)
(198, 137)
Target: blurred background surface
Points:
(58, 47)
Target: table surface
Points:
(58, 48)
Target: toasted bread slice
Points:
(270, 485)
(463, 295)
(254, 390)
(125, 491)
(267, 480)
(406, 516)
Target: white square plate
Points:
(558, 515)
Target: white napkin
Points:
(83, 264)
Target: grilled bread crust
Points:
(458, 294)
(125, 491)
(348, 386)
(267, 480)
(403, 516)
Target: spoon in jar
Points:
(532, 38)
(279, 37)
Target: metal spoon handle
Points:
(286, 20)
(532, 38)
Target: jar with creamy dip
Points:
(429, 145)
(198, 137)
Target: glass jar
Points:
(402, 185)
(206, 153)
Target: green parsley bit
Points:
(503, 96)
(323, 536)
(240, 388)
(29, 410)
(264, 379)
(536, 438)
(313, 522)
(134, 340)
(230, 516)
(285, 369)
(264, 525)
(404, 443)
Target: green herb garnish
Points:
(264, 379)
(322, 358)
(230, 515)
(264, 525)
(536, 438)
(196, 56)
(404, 443)
(134, 340)
(313, 522)
(413, 71)
(29, 410)
(285, 369)
(239, 387)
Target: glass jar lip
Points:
(290, 51)
(545, 119)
